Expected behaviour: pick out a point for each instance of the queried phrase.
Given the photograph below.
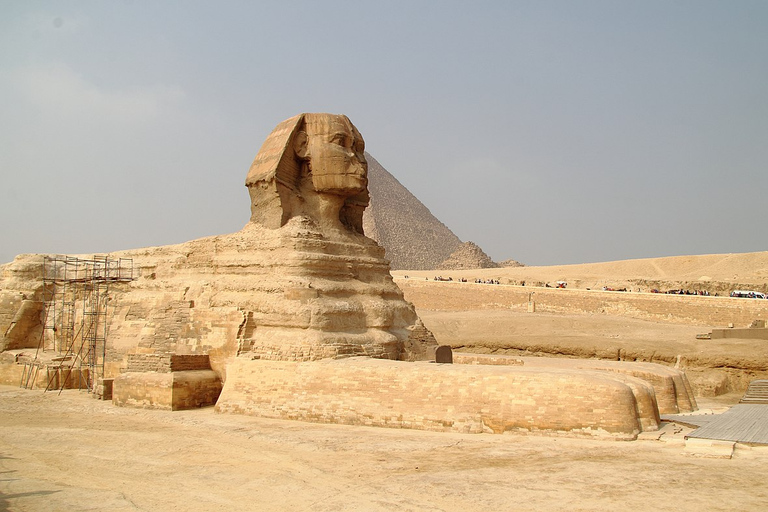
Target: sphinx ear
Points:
(300, 145)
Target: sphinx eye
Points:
(339, 139)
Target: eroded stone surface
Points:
(299, 282)
(448, 398)
(671, 387)
(290, 293)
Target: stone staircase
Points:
(757, 393)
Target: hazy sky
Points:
(549, 132)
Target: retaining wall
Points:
(447, 397)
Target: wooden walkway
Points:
(689, 420)
(757, 393)
(742, 423)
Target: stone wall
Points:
(429, 396)
(170, 391)
(750, 333)
(671, 387)
(499, 360)
(164, 363)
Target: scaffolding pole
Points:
(75, 300)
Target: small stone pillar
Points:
(444, 354)
(531, 303)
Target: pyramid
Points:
(467, 255)
(412, 237)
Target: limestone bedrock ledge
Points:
(442, 397)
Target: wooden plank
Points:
(689, 420)
(744, 423)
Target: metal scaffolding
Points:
(75, 300)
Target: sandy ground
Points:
(71, 452)
(496, 329)
(587, 336)
(719, 271)
(473, 320)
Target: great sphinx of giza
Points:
(296, 316)
(308, 186)
(300, 282)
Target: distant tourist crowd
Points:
(749, 294)
(703, 293)
(464, 280)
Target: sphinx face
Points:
(336, 157)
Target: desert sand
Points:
(70, 452)
(721, 272)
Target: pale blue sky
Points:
(549, 132)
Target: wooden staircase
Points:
(757, 393)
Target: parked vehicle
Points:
(748, 294)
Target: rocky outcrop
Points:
(511, 263)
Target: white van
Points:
(747, 294)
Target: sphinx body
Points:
(279, 294)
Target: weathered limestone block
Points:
(469, 358)
(11, 371)
(170, 391)
(20, 302)
(26, 320)
(102, 390)
(749, 333)
(164, 363)
(456, 398)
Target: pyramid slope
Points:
(412, 237)
(468, 255)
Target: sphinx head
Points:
(311, 165)
(333, 151)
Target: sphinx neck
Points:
(329, 210)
